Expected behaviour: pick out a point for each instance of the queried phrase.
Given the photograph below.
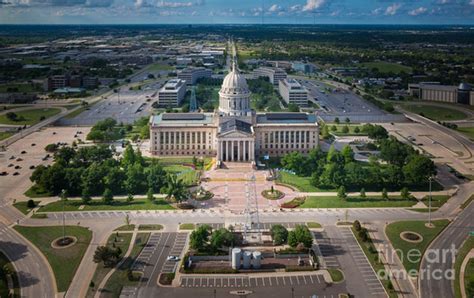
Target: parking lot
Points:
(328, 249)
(125, 107)
(239, 281)
(153, 259)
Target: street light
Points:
(63, 198)
(429, 203)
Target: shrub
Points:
(279, 234)
(296, 202)
(30, 204)
(357, 226)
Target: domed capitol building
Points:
(234, 132)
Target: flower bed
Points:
(296, 202)
(272, 194)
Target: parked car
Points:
(172, 258)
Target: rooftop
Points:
(182, 119)
(286, 118)
(235, 124)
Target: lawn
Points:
(6, 264)
(6, 134)
(336, 275)
(393, 231)
(186, 226)
(436, 201)
(435, 113)
(125, 228)
(121, 240)
(356, 202)
(65, 261)
(36, 192)
(351, 132)
(159, 66)
(119, 278)
(97, 205)
(386, 67)
(469, 273)
(187, 174)
(301, 183)
(150, 227)
(313, 225)
(23, 206)
(467, 131)
(372, 255)
(30, 117)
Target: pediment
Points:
(234, 134)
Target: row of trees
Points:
(90, 171)
(400, 166)
(299, 236)
(204, 239)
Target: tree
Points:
(362, 193)
(384, 194)
(405, 194)
(341, 193)
(156, 176)
(279, 234)
(333, 128)
(300, 234)
(325, 132)
(136, 181)
(149, 195)
(347, 153)
(128, 158)
(295, 162)
(221, 238)
(347, 120)
(12, 116)
(336, 120)
(129, 198)
(357, 225)
(199, 237)
(176, 189)
(30, 204)
(418, 169)
(356, 129)
(106, 255)
(345, 129)
(293, 108)
(108, 196)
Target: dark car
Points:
(23, 152)
(3, 173)
(19, 159)
(10, 165)
(32, 145)
(32, 167)
(16, 174)
(17, 167)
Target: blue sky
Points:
(237, 11)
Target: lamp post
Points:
(63, 198)
(429, 203)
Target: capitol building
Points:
(234, 132)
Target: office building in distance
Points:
(274, 74)
(172, 93)
(191, 74)
(433, 91)
(293, 92)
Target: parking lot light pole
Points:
(429, 203)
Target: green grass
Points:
(65, 261)
(301, 183)
(121, 240)
(22, 206)
(467, 131)
(435, 113)
(355, 202)
(386, 67)
(150, 227)
(187, 174)
(159, 66)
(30, 117)
(36, 192)
(6, 134)
(336, 275)
(6, 264)
(393, 231)
(469, 273)
(423, 210)
(119, 278)
(436, 201)
(39, 216)
(22, 88)
(372, 255)
(77, 112)
(97, 205)
(125, 228)
(186, 226)
(351, 130)
(313, 225)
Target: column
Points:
(223, 144)
(232, 150)
(245, 150)
(238, 151)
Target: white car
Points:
(172, 258)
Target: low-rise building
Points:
(433, 91)
(274, 74)
(191, 75)
(172, 93)
(293, 92)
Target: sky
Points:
(236, 11)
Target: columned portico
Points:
(236, 150)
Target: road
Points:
(453, 236)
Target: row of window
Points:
(182, 137)
(287, 137)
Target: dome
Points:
(464, 87)
(234, 82)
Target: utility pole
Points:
(63, 198)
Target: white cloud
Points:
(418, 11)
(173, 4)
(392, 9)
(471, 3)
(313, 5)
(275, 8)
(297, 7)
(377, 11)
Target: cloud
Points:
(418, 11)
(312, 5)
(392, 9)
(471, 3)
(62, 3)
(276, 8)
(377, 11)
(176, 4)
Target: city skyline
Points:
(236, 12)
